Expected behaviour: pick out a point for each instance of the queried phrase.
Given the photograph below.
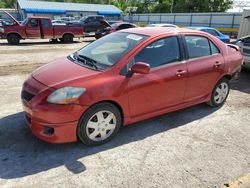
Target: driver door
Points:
(164, 86)
(33, 28)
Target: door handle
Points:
(217, 64)
(179, 73)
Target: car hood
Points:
(61, 71)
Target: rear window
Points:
(199, 46)
(46, 23)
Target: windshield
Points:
(108, 50)
(83, 19)
(7, 23)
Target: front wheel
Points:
(13, 39)
(99, 124)
(220, 93)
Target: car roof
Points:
(161, 24)
(39, 17)
(121, 23)
(154, 31)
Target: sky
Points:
(245, 4)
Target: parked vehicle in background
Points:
(91, 24)
(39, 27)
(214, 32)
(114, 27)
(59, 22)
(244, 44)
(162, 25)
(125, 77)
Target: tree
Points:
(202, 5)
(153, 6)
(7, 3)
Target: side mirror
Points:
(141, 68)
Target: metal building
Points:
(60, 9)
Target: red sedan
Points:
(125, 77)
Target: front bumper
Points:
(246, 63)
(44, 123)
(50, 122)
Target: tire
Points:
(92, 131)
(13, 39)
(68, 38)
(53, 41)
(220, 93)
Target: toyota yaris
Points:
(125, 77)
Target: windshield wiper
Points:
(87, 60)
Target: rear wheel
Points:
(67, 38)
(220, 93)
(99, 124)
(13, 39)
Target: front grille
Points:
(26, 95)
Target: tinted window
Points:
(125, 26)
(46, 23)
(33, 23)
(197, 46)
(214, 49)
(160, 52)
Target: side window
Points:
(160, 52)
(197, 46)
(46, 23)
(214, 49)
(33, 22)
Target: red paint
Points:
(163, 89)
(141, 68)
(25, 31)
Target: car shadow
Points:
(243, 84)
(22, 154)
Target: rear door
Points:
(165, 85)
(205, 65)
(33, 28)
(46, 28)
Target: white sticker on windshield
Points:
(134, 37)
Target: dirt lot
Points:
(195, 147)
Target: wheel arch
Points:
(68, 33)
(15, 33)
(116, 104)
(227, 76)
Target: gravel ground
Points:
(195, 147)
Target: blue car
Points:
(213, 32)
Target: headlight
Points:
(1, 30)
(65, 95)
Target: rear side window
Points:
(46, 23)
(198, 46)
(214, 49)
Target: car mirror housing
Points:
(141, 68)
